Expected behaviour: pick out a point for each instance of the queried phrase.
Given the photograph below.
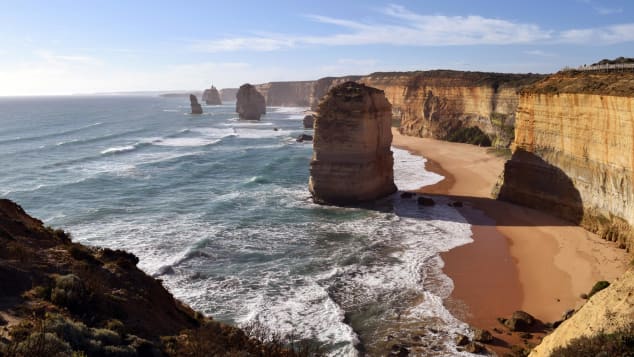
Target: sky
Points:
(58, 47)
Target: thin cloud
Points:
(421, 30)
(608, 35)
(243, 43)
(67, 59)
(540, 53)
(608, 11)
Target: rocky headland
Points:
(60, 298)
(196, 107)
(352, 160)
(211, 96)
(250, 104)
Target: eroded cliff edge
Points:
(437, 104)
(573, 153)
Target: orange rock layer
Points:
(574, 156)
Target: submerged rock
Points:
(304, 137)
(196, 108)
(250, 103)
(352, 161)
(211, 96)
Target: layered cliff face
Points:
(211, 96)
(352, 160)
(432, 104)
(250, 104)
(574, 152)
(228, 94)
(286, 94)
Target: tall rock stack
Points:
(196, 108)
(211, 96)
(250, 103)
(352, 160)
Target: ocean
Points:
(219, 209)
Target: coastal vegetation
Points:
(471, 135)
(619, 343)
(61, 298)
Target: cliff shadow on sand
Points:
(530, 181)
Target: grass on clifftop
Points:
(620, 343)
(620, 84)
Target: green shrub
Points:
(75, 333)
(471, 135)
(116, 326)
(83, 253)
(620, 343)
(600, 285)
(119, 351)
(120, 257)
(106, 337)
(43, 344)
(58, 234)
(69, 291)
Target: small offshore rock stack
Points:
(352, 161)
(309, 121)
(211, 96)
(196, 108)
(250, 103)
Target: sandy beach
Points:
(520, 258)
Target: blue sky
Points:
(64, 47)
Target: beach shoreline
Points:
(521, 259)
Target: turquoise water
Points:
(219, 209)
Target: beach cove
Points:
(520, 259)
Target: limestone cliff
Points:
(211, 96)
(250, 103)
(228, 94)
(574, 152)
(352, 160)
(432, 104)
(286, 94)
(606, 312)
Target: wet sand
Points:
(520, 258)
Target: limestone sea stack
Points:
(250, 103)
(211, 96)
(196, 108)
(309, 121)
(352, 161)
